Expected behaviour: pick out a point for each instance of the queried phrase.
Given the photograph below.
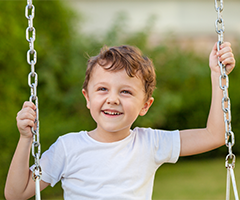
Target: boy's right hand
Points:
(26, 118)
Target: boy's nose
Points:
(113, 100)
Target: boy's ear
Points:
(85, 94)
(146, 106)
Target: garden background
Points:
(182, 97)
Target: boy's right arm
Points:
(19, 184)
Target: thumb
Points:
(213, 58)
(214, 50)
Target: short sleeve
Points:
(53, 163)
(167, 146)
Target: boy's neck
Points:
(108, 137)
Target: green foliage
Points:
(182, 97)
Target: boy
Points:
(113, 161)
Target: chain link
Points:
(224, 85)
(219, 23)
(33, 82)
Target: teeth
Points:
(111, 113)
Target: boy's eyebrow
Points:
(123, 85)
(99, 83)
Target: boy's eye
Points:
(126, 92)
(102, 89)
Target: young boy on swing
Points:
(112, 161)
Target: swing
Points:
(32, 60)
(33, 82)
(229, 135)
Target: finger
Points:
(26, 113)
(214, 49)
(225, 56)
(224, 50)
(29, 104)
(225, 44)
(25, 127)
(229, 69)
(229, 64)
(26, 123)
(229, 61)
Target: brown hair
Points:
(128, 58)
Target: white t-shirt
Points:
(122, 170)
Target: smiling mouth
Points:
(111, 112)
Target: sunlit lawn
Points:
(192, 180)
(185, 180)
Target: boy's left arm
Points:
(195, 141)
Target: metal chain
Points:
(33, 82)
(224, 85)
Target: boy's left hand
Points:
(224, 55)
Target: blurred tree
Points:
(61, 66)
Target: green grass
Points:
(185, 180)
(192, 180)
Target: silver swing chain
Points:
(229, 135)
(33, 82)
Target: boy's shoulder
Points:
(146, 131)
(155, 135)
(72, 137)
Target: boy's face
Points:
(115, 100)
